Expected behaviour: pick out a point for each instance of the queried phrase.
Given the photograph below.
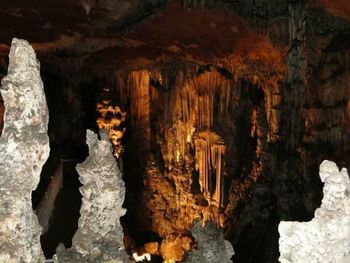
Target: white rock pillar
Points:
(326, 238)
(24, 148)
(99, 237)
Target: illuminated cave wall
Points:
(194, 146)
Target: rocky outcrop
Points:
(211, 245)
(326, 238)
(24, 148)
(99, 237)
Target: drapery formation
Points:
(210, 150)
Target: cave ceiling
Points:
(100, 35)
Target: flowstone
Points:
(99, 237)
(24, 148)
(211, 245)
(326, 238)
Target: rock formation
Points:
(99, 237)
(111, 119)
(24, 148)
(211, 245)
(326, 238)
(231, 107)
(183, 118)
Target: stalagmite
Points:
(326, 238)
(24, 148)
(99, 237)
(211, 245)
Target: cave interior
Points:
(218, 111)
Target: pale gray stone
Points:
(211, 245)
(24, 148)
(326, 238)
(99, 237)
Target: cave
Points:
(218, 111)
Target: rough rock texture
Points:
(99, 237)
(211, 245)
(24, 148)
(326, 238)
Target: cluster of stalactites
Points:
(135, 91)
(139, 94)
(210, 150)
(193, 105)
(188, 107)
(111, 118)
(195, 99)
(206, 86)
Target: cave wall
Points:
(195, 144)
(299, 120)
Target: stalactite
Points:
(210, 150)
(139, 94)
(184, 117)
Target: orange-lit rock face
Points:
(337, 7)
(210, 150)
(197, 35)
(193, 145)
(202, 35)
(111, 119)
